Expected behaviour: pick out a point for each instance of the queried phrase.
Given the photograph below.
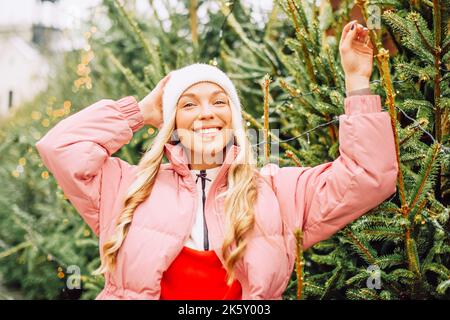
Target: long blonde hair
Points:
(239, 199)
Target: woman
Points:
(208, 224)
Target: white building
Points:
(32, 33)
(24, 72)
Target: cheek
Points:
(183, 122)
(185, 119)
(226, 117)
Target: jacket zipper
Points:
(203, 177)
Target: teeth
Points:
(209, 130)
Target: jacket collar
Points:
(177, 156)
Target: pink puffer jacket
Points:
(320, 200)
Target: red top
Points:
(198, 275)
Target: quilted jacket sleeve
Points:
(78, 149)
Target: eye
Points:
(220, 102)
(187, 105)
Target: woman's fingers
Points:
(363, 38)
(346, 30)
(355, 34)
(363, 33)
(349, 36)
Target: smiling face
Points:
(203, 121)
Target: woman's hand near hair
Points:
(151, 105)
(356, 52)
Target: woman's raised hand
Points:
(151, 105)
(356, 52)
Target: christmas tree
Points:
(398, 250)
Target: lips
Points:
(207, 131)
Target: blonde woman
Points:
(208, 224)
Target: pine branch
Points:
(426, 172)
(382, 233)
(403, 276)
(332, 131)
(193, 5)
(408, 38)
(137, 32)
(437, 12)
(288, 126)
(412, 131)
(266, 116)
(416, 214)
(299, 263)
(302, 39)
(443, 286)
(358, 278)
(410, 70)
(256, 124)
(362, 294)
(293, 157)
(301, 14)
(337, 80)
(420, 25)
(383, 66)
(296, 93)
(428, 3)
(359, 245)
(312, 289)
(329, 284)
(255, 48)
(438, 269)
(380, 219)
(137, 85)
(446, 45)
(271, 21)
(155, 15)
(390, 260)
(386, 3)
(413, 257)
(414, 104)
(15, 249)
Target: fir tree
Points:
(405, 241)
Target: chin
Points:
(206, 149)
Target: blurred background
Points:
(58, 57)
(33, 34)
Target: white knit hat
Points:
(181, 79)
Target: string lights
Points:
(444, 149)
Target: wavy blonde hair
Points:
(239, 199)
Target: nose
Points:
(206, 111)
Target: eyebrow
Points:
(194, 95)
